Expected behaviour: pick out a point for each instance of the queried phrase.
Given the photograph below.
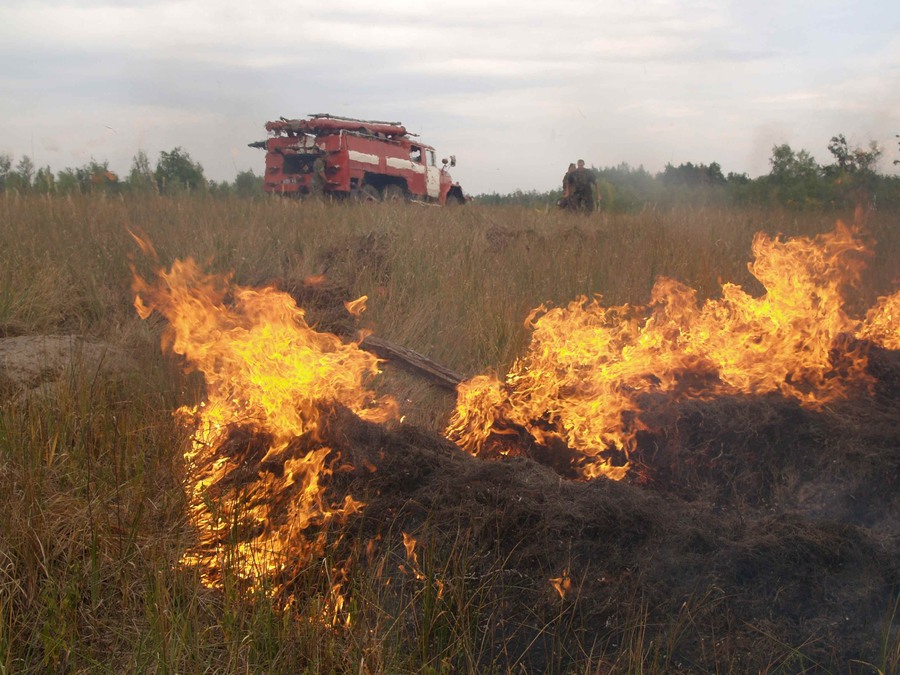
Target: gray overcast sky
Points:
(516, 89)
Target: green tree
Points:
(788, 165)
(176, 171)
(87, 178)
(19, 178)
(141, 177)
(67, 181)
(867, 160)
(692, 175)
(853, 160)
(714, 174)
(219, 188)
(852, 179)
(5, 168)
(628, 188)
(25, 172)
(248, 184)
(96, 176)
(795, 177)
(44, 181)
(839, 148)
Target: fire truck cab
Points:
(362, 159)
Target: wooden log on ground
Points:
(412, 361)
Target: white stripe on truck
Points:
(399, 163)
(363, 157)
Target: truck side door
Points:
(432, 175)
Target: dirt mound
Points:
(28, 362)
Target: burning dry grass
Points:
(587, 365)
(755, 534)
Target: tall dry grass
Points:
(92, 519)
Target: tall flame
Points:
(588, 365)
(267, 373)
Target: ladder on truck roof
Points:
(325, 124)
(353, 119)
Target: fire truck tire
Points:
(368, 193)
(393, 193)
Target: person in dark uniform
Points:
(567, 201)
(567, 182)
(584, 187)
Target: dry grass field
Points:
(737, 568)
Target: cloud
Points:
(515, 89)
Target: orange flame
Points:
(268, 372)
(358, 306)
(587, 365)
(409, 543)
(562, 584)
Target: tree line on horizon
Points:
(175, 173)
(795, 180)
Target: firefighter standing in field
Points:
(586, 193)
(567, 200)
(317, 179)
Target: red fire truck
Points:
(363, 159)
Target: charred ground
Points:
(754, 535)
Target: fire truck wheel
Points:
(368, 193)
(394, 193)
